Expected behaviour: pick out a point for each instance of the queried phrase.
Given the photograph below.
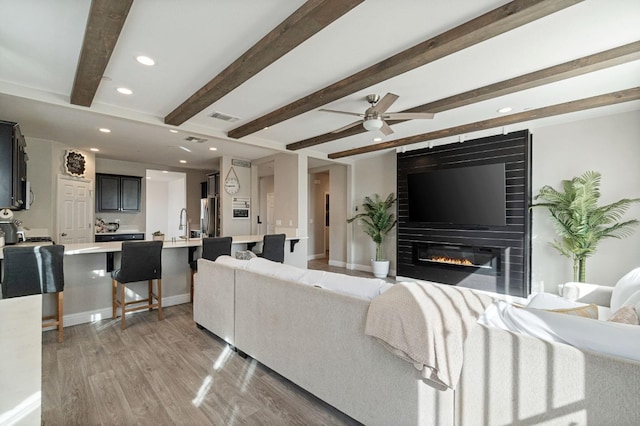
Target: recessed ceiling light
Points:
(377, 139)
(266, 128)
(173, 130)
(124, 90)
(145, 60)
(94, 149)
(164, 171)
(104, 130)
(183, 161)
(504, 110)
(184, 148)
(213, 149)
(148, 177)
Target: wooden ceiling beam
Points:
(535, 114)
(598, 61)
(105, 22)
(484, 27)
(310, 18)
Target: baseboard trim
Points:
(337, 263)
(105, 313)
(367, 268)
(316, 256)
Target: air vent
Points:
(224, 117)
(195, 139)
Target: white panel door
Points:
(75, 211)
(271, 206)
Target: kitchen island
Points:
(87, 267)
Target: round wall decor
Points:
(75, 163)
(231, 183)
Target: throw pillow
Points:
(626, 315)
(588, 311)
(634, 301)
(624, 288)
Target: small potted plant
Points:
(378, 221)
(158, 236)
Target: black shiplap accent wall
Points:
(514, 150)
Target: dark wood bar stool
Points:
(36, 270)
(211, 249)
(141, 261)
(273, 247)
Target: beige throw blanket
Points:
(427, 325)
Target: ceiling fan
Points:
(374, 117)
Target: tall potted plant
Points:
(580, 222)
(378, 220)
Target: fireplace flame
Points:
(454, 261)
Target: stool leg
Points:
(114, 297)
(192, 286)
(123, 321)
(159, 284)
(60, 317)
(150, 297)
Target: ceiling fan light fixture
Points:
(372, 124)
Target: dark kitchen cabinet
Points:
(116, 193)
(13, 166)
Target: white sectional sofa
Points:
(314, 336)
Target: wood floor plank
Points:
(113, 407)
(166, 373)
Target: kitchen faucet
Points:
(186, 225)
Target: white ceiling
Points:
(193, 41)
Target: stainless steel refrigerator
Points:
(210, 217)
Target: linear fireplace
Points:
(480, 260)
(467, 265)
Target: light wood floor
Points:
(165, 373)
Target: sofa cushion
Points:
(363, 287)
(312, 277)
(600, 336)
(626, 315)
(551, 301)
(231, 262)
(278, 270)
(624, 288)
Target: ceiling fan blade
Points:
(348, 126)
(408, 115)
(386, 129)
(384, 103)
(341, 112)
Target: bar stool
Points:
(273, 247)
(36, 270)
(211, 249)
(141, 261)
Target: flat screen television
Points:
(473, 195)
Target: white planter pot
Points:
(380, 268)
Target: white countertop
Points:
(119, 231)
(116, 246)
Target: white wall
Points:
(231, 226)
(340, 190)
(46, 162)
(611, 146)
(375, 175)
(157, 220)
